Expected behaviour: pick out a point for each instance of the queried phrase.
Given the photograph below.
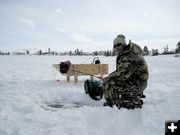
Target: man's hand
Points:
(105, 80)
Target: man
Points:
(124, 86)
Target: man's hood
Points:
(133, 48)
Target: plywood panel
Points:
(85, 69)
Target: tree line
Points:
(107, 52)
(166, 50)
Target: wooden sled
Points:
(84, 69)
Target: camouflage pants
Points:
(123, 94)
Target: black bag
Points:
(64, 66)
(94, 89)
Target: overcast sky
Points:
(64, 25)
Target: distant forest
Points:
(79, 52)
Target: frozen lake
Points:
(28, 85)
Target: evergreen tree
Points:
(178, 47)
(81, 52)
(95, 53)
(145, 50)
(70, 53)
(40, 52)
(113, 52)
(166, 50)
(155, 52)
(107, 53)
(49, 50)
(110, 53)
(27, 52)
(77, 52)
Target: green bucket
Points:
(94, 89)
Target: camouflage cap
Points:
(119, 39)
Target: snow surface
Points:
(28, 84)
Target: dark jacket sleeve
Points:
(124, 70)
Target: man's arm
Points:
(123, 72)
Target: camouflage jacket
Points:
(130, 66)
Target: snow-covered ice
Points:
(28, 85)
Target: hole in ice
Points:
(56, 106)
(64, 105)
